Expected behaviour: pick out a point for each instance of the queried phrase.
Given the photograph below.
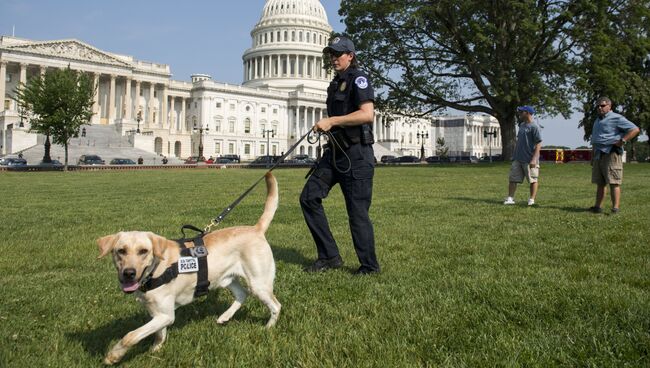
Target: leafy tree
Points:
(58, 103)
(556, 147)
(616, 62)
(468, 55)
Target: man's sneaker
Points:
(509, 200)
(365, 271)
(595, 209)
(325, 264)
(531, 202)
(615, 210)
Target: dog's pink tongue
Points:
(130, 287)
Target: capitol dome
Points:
(287, 47)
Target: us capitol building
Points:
(282, 96)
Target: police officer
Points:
(348, 160)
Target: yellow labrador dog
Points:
(233, 253)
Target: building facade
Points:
(282, 96)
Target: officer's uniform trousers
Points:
(356, 185)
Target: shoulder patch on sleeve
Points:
(361, 82)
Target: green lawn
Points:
(466, 281)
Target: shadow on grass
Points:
(537, 205)
(479, 200)
(97, 342)
(290, 255)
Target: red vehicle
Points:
(577, 155)
(551, 155)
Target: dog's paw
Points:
(156, 348)
(110, 359)
(222, 321)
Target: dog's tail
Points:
(271, 203)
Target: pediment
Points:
(69, 49)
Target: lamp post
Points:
(21, 112)
(422, 136)
(491, 134)
(200, 129)
(267, 134)
(138, 118)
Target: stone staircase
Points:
(101, 140)
(383, 151)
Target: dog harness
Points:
(192, 260)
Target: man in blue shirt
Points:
(609, 134)
(525, 160)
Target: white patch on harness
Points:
(188, 265)
(361, 82)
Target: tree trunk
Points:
(46, 156)
(508, 136)
(65, 165)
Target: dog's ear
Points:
(106, 244)
(160, 244)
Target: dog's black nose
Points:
(129, 274)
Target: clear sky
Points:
(194, 36)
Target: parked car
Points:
(301, 159)
(51, 163)
(386, 158)
(464, 159)
(265, 160)
(193, 160)
(90, 160)
(231, 158)
(225, 160)
(434, 159)
(122, 161)
(13, 161)
(405, 159)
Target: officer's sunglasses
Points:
(337, 54)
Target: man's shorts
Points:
(607, 169)
(520, 170)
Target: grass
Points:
(466, 281)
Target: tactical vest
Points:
(339, 103)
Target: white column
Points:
(297, 121)
(255, 68)
(3, 80)
(151, 106)
(313, 116)
(182, 117)
(42, 70)
(164, 120)
(111, 101)
(264, 67)
(127, 99)
(23, 73)
(136, 99)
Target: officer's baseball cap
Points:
(528, 109)
(340, 44)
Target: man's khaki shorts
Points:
(520, 170)
(607, 169)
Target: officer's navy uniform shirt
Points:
(352, 86)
